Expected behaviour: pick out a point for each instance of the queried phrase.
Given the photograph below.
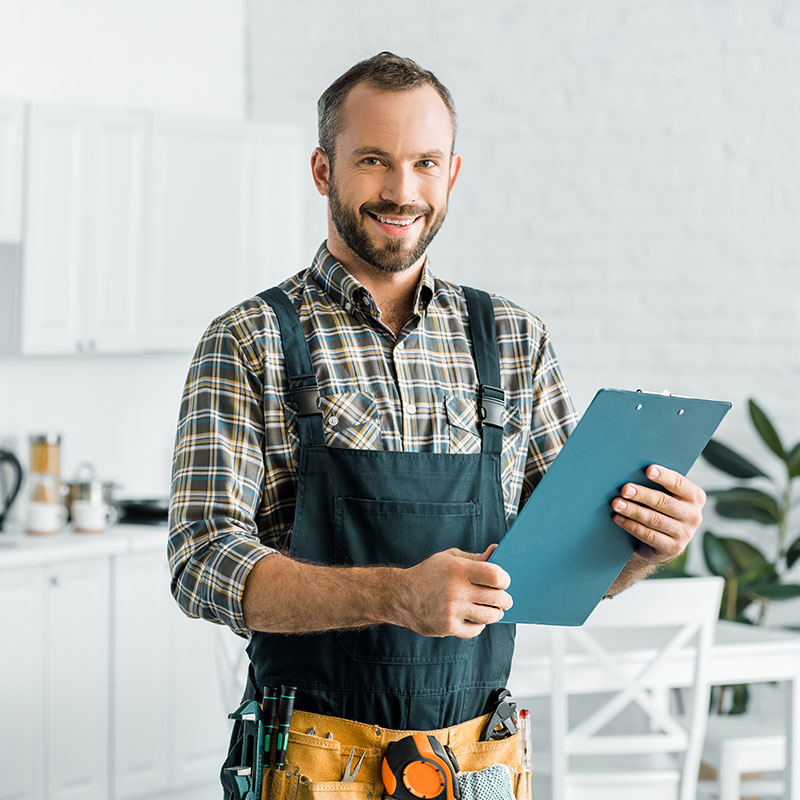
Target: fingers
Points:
(664, 521)
(675, 483)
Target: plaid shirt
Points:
(236, 452)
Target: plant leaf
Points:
(766, 430)
(752, 504)
(773, 592)
(734, 511)
(793, 553)
(743, 556)
(722, 457)
(793, 461)
(716, 556)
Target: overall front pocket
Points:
(401, 533)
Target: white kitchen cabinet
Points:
(12, 115)
(199, 716)
(76, 680)
(225, 221)
(22, 596)
(54, 727)
(170, 727)
(199, 235)
(84, 235)
(142, 606)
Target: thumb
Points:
(484, 556)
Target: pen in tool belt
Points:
(285, 708)
(269, 705)
(525, 746)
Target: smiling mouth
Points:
(403, 222)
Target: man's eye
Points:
(427, 163)
(370, 161)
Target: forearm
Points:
(282, 595)
(636, 569)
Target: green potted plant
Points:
(754, 577)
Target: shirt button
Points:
(399, 346)
(333, 421)
(411, 408)
(348, 307)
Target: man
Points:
(353, 445)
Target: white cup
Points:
(44, 518)
(91, 517)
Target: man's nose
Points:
(400, 186)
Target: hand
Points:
(663, 522)
(454, 593)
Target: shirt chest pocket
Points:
(465, 433)
(351, 420)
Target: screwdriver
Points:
(268, 707)
(285, 708)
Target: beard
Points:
(395, 255)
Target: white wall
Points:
(168, 55)
(630, 175)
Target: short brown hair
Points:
(383, 71)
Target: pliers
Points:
(348, 776)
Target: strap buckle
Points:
(306, 397)
(491, 406)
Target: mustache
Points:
(390, 209)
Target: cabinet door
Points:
(201, 677)
(114, 273)
(76, 680)
(55, 231)
(11, 119)
(198, 261)
(279, 181)
(142, 606)
(22, 737)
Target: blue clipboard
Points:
(564, 551)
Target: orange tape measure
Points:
(418, 767)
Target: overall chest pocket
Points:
(401, 533)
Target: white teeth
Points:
(399, 222)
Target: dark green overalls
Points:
(362, 507)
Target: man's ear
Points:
(455, 170)
(321, 170)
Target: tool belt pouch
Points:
(492, 783)
(491, 770)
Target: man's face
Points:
(392, 174)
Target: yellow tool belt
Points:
(315, 764)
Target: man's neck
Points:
(393, 292)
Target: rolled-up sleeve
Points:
(217, 480)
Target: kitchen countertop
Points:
(18, 548)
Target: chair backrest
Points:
(632, 639)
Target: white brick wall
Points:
(631, 175)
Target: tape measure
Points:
(418, 767)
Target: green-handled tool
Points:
(269, 708)
(285, 708)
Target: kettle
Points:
(8, 491)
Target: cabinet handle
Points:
(91, 345)
(54, 580)
(79, 346)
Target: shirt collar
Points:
(349, 293)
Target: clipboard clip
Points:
(666, 393)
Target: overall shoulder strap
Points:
(299, 370)
(491, 398)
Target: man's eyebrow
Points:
(376, 151)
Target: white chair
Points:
(629, 744)
(740, 744)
